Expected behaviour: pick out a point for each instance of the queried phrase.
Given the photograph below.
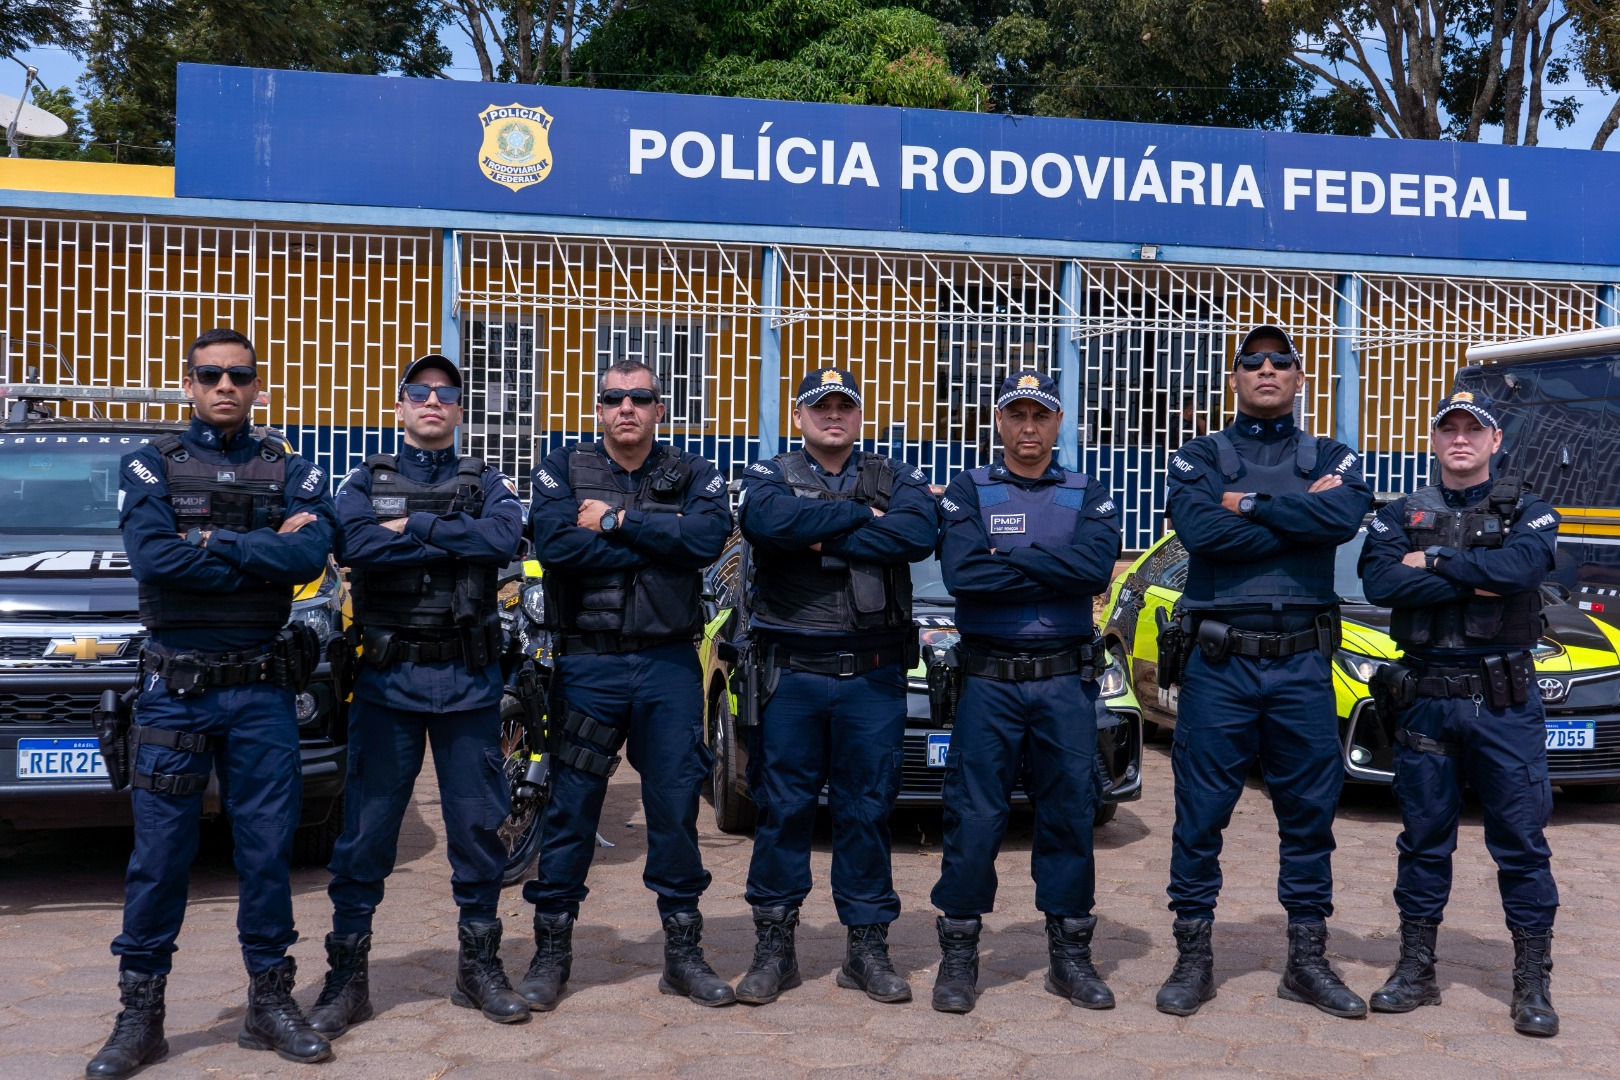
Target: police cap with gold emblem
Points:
(818, 384)
(1476, 405)
(1034, 385)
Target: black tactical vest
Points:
(437, 596)
(1508, 622)
(654, 602)
(1301, 577)
(221, 497)
(805, 591)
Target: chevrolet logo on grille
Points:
(88, 650)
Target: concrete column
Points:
(1067, 351)
(1347, 360)
(770, 352)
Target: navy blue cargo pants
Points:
(654, 696)
(1502, 755)
(253, 734)
(846, 734)
(1283, 712)
(1054, 722)
(386, 748)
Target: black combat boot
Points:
(137, 1035)
(775, 966)
(685, 970)
(867, 967)
(273, 1021)
(1193, 981)
(346, 998)
(1532, 1008)
(956, 985)
(1071, 974)
(1309, 978)
(543, 983)
(481, 980)
(1412, 983)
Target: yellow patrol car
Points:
(1577, 663)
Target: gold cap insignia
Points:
(1028, 381)
(833, 376)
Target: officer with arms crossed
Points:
(624, 529)
(832, 533)
(1262, 508)
(1461, 564)
(424, 533)
(220, 528)
(1026, 546)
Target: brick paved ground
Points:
(60, 896)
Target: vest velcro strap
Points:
(180, 784)
(586, 760)
(1425, 745)
(842, 664)
(190, 742)
(1087, 661)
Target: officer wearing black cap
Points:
(1261, 507)
(1026, 546)
(220, 527)
(831, 534)
(424, 532)
(1461, 563)
(623, 529)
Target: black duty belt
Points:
(425, 652)
(1465, 683)
(1086, 661)
(197, 670)
(843, 664)
(607, 642)
(1470, 680)
(1255, 643)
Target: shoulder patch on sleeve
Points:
(1377, 525)
(139, 471)
(953, 509)
(546, 480)
(1184, 467)
(917, 475)
(506, 482)
(1543, 521)
(1346, 463)
(312, 480)
(1102, 509)
(715, 486)
(761, 468)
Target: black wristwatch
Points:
(195, 537)
(1246, 504)
(610, 521)
(1432, 556)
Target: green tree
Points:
(801, 50)
(68, 147)
(135, 45)
(26, 23)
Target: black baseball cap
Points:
(1267, 330)
(818, 384)
(1476, 405)
(432, 360)
(1034, 385)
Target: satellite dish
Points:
(30, 119)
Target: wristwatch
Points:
(1246, 504)
(1432, 556)
(610, 521)
(195, 537)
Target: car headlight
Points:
(534, 603)
(1358, 667)
(1111, 683)
(318, 616)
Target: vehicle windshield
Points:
(1345, 578)
(61, 484)
(927, 583)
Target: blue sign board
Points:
(372, 141)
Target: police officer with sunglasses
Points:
(623, 529)
(220, 526)
(424, 532)
(1261, 507)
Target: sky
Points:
(58, 68)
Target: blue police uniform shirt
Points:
(490, 539)
(688, 540)
(773, 518)
(1527, 555)
(159, 556)
(1027, 575)
(1279, 524)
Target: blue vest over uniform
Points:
(1299, 577)
(1015, 516)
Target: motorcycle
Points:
(528, 664)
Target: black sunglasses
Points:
(420, 392)
(1281, 361)
(638, 396)
(209, 375)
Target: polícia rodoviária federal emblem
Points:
(516, 152)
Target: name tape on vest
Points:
(1002, 524)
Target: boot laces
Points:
(770, 942)
(957, 962)
(871, 944)
(1189, 967)
(130, 1024)
(278, 1002)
